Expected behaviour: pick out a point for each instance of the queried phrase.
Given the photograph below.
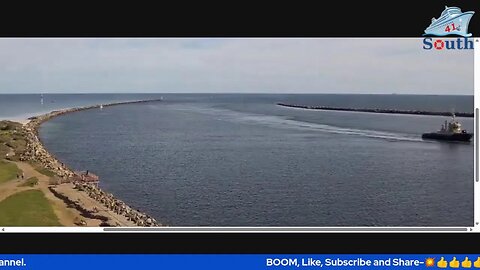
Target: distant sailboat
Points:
(101, 106)
(41, 99)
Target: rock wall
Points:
(35, 151)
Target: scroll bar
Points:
(284, 229)
(476, 101)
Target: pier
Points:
(390, 111)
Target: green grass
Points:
(8, 171)
(30, 182)
(27, 208)
(5, 137)
(3, 150)
(39, 168)
(9, 125)
(18, 145)
(13, 136)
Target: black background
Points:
(232, 19)
(229, 19)
(237, 243)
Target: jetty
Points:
(390, 111)
(82, 181)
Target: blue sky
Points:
(240, 65)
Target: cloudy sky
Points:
(232, 65)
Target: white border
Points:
(476, 97)
(475, 228)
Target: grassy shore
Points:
(27, 208)
(30, 182)
(23, 206)
(39, 168)
(12, 136)
(11, 140)
(8, 171)
(47, 196)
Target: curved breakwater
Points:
(390, 111)
(35, 151)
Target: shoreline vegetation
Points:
(389, 111)
(76, 202)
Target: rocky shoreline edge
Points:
(36, 152)
(389, 111)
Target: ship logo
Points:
(452, 21)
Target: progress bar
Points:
(282, 229)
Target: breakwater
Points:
(36, 152)
(390, 111)
(115, 205)
(73, 204)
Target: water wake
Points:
(284, 122)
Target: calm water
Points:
(240, 160)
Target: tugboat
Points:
(450, 132)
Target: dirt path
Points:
(89, 203)
(11, 187)
(66, 215)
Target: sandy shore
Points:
(95, 206)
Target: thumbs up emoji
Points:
(466, 263)
(476, 264)
(442, 263)
(454, 263)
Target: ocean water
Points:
(20, 107)
(241, 160)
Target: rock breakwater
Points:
(391, 111)
(116, 205)
(36, 152)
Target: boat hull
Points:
(461, 26)
(459, 137)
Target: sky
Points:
(232, 65)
